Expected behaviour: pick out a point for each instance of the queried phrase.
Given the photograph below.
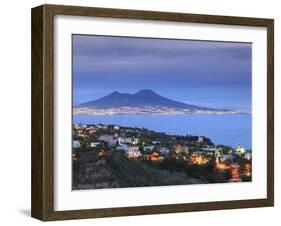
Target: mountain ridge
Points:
(142, 98)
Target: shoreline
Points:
(152, 111)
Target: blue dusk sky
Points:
(205, 73)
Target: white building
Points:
(101, 127)
(131, 151)
(209, 148)
(76, 126)
(80, 133)
(226, 157)
(109, 139)
(156, 142)
(116, 127)
(200, 140)
(148, 148)
(248, 155)
(91, 129)
(125, 147)
(164, 150)
(181, 149)
(76, 144)
(128, 140)
(240, 150)
(94, 144)
(135, 141)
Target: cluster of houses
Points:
(125, 141)
(133, 148)
(83, 131)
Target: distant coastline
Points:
(151, 110)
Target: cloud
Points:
(117, 63)
(103, 54)
(109, 46)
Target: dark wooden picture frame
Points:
(42, 203)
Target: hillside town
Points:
(195, 157)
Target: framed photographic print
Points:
(141, 112)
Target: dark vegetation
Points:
(91, 171)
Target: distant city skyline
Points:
(205, 73)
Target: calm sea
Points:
(228, 129)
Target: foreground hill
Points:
(92, 172)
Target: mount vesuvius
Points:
(143, 98)
(145, 101)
